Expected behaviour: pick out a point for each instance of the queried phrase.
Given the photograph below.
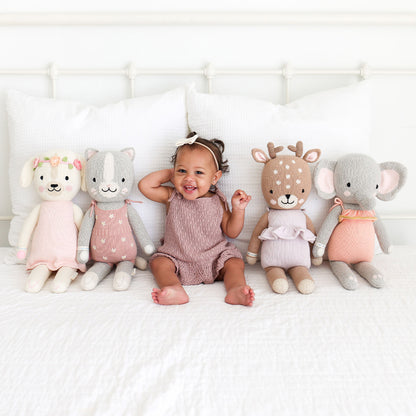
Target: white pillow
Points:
(335, 121)
(150, 124)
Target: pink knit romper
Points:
(194, 240)
(352, 240)
(112, 238)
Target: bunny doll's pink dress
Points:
(54, 242)
(194, 240)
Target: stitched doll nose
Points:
(287, 196)
(54, 185)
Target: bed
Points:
(103, 352)
(333, 352)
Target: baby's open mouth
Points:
(189, 188)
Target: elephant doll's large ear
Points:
(393, 177)
(323, 179)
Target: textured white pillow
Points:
(150, 124)
(336, 121)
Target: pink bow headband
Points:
(56, 160)
(191, 140)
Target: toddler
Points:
(194, 249)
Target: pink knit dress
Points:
(194, 240)
(54, 242)
(352, 240)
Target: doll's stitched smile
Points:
(54, 188)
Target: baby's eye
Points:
(198, 172)
(181, 170)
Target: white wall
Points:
(253, 47)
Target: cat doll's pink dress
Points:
(194, 240)
(55, 238)
(352, 240)
(112, 238)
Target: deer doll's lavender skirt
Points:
(286, 240)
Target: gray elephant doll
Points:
(106, 232)
(348, 232)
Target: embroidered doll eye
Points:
(303, 191)
(376, 186)
(41, 178)
(67, 178)
(271, 191)
(94, 180)
(123, 180)
(349, 184)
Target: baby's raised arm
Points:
(233, 222)
(151, 186)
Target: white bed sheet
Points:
(103, 352)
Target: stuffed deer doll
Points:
(348, 232)
(284, 231)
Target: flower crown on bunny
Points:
(284, 232)
(111, 224)
(53, 224)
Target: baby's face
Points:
(194, 172)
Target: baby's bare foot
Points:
(240, 295)
(170, 295)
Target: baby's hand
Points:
(240, 200)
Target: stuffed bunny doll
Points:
(285, 231)
(109, 226)
(349, 230)
(53, 224)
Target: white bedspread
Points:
(334, 352)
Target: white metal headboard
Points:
(287, 73)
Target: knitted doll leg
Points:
(37, 278)
(277, 279)
(64, 277)
(344, 274)
(370, 273)
(122, 277)
(302, 279)
(94, 275)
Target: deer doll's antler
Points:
(298, 150)
(273, 150)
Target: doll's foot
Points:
(240, 295)
(141, 263)
(280, 286)
(121, 281)
(37, 279)
(170, 295)
(306, 286)
(63, 279)
(89, 281)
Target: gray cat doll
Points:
(106, 233)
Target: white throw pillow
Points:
(150, 124)
(336, 121)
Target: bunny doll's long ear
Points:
(26, 176)
(83, 170)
